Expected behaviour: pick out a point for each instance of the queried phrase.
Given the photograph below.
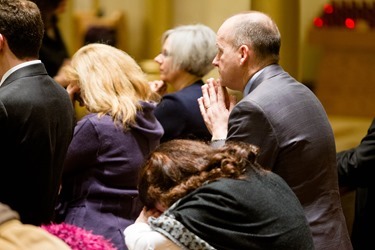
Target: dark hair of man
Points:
(22, 26)
(178, 167)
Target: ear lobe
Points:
(1, 41)
(243, 59)
(244, 53)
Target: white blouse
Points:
(140, 236)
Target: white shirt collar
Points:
(17, 67)
(250, 82)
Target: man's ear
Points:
(244, 53)
(1, 41)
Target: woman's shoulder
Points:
(96, 122)
(183, 98)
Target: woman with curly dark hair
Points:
(199, 197)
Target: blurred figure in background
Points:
(99, 184)
(186, 56)
(356, 167)
(53, 52)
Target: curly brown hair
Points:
(178, 167)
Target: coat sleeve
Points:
(356, 166)
(83, 149)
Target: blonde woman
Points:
(99, 182)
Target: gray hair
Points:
(192, 47)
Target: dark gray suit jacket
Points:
(36, 127)
(286, 120)
(356, 167)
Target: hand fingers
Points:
(202, 107)
(72, 89)
(211, 89)
(153, 212)
(163, 89)
(205, 97)
(204, 113)
(154, 85)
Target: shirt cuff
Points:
(217, 143)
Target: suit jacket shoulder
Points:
(356, 165)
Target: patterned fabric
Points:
(167, 225)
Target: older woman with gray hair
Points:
(186, 56)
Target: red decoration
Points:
(349, 23)
(346, 14)
(318, 22)
(328, 8)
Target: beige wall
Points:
(66, 24)
(285, 14)
(309, 55)
(209, 12)
(145, 21)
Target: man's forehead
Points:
(225, 33)
(253, 16)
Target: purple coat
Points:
(99, 190)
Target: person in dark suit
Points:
(36, 117)
(53, 52)
(185, 58)
(356, 171)
(279, 115)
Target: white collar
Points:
(17, 67)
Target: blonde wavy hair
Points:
(110, 82)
